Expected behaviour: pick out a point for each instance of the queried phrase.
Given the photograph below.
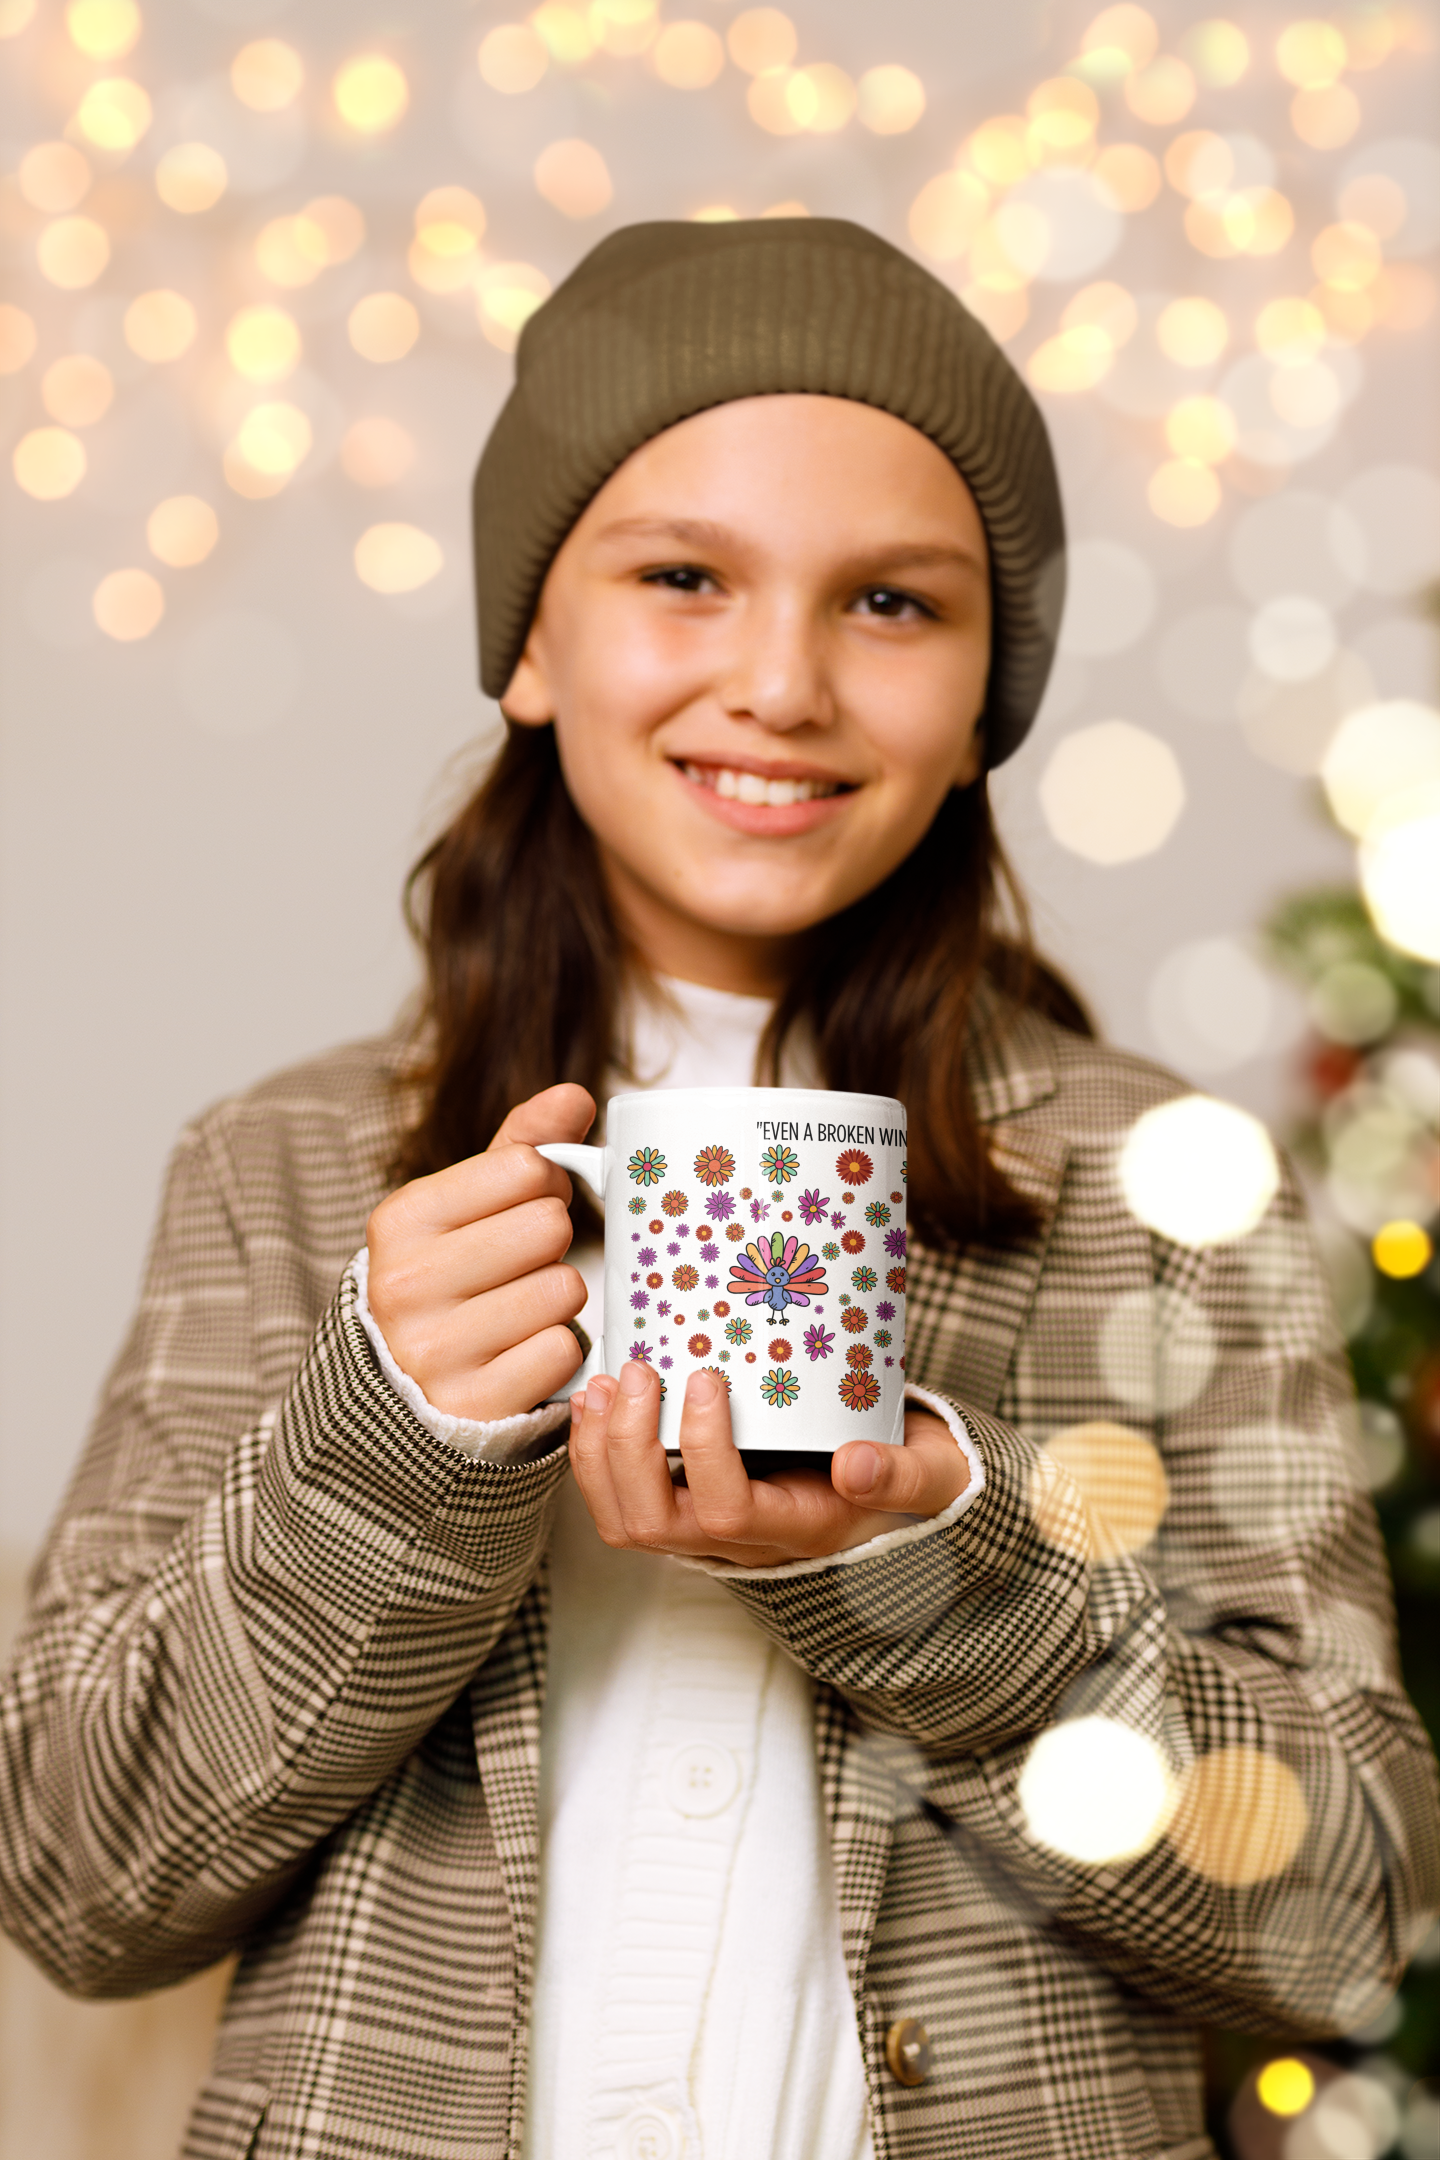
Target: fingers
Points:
(565, 1112)
(619, 1463)
(519, 1379)
(921, 1478)
(721, 1493)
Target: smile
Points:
(753, 787)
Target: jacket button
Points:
(908, 2051)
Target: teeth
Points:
(749, 787)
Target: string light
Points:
(267, 75)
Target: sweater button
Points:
(703, 1779)
(651, 2133)
(908, 2051)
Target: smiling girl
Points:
(562, 1805)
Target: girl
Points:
(627, 1814)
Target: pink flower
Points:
(812, 1205)
(816, 1343)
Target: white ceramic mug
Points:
(760, 1233)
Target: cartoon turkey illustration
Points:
(777, 1271)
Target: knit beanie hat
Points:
(661, 321)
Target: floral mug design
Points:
(759, 1234)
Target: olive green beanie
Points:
(662, 321)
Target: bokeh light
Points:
(1126, 31)
(761, 39)
(567, 32)
(114, 113)
(1198, 1171)
(77, 390)
(273, 440)
(821, 98)
(1123, 1480)
(1112, 793)
(48, 463)
(1218, 51)
(1241, 1817)
(1398, 876)
(1402, 1249)
(383, 326)
(999, 150)
(371, 94)
(624, 27)
(1381, 751)
(376, 452)
(1184, 492)
(281, 255)
(1292, 637)
(513, 58)
(182, 531)
(1202, 428)
(1210, 1005)
(1375, 200)
(1346, 256)
(1311, 54)
(263, 343)
(15, 16)
(947, 213)
(1128, 176)
(103, 29)
(1162, 93)
(449, 226)
(190, 178)
(1095, 1790)
(1290, 331)
(892, 100)
(1063, 115)
(574, 178)
(1199, 163)
(1325, 118)
(330, 229)
(397, 558)
(1285, 2086)
(1193, 333)
(160, 325)
(128, 604)
(687, 55)
(506, 296)
(267, 75)
(72, 252)
(54, 176)
(17, 338)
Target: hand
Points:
(468, 1280)
(721, 1514)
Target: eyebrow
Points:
(702, 534)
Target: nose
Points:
(778, 675)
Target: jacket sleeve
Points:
(1193, 1758)
(245, 1617)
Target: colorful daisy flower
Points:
(646, 1256)
(647, 1166)
(654, 1280)
(865, 1278)
(662, 1310)
(759, 1210)
(812, 1205)
(714, 1165)
(837, 1220)
(854, 1167)
(640, 1352)
(699, 1346)
(686, 1277)
(780, 1388)
(895, 1280)
(639, 1299)
(858, 1356)
(895, 1244)
(637, 1205)
(853, 1241)
(778, 1272)
(853, 1320)
(859, 1390)
(720, 1206)
(884, 1310)
(829, 1250)
(816, 1343)
(778, 1165)
(734, 1231)
(778, 1349)
(721, 1308)
(877, 1213)
(738, 1331)
(674, 1203)
(883, 1338)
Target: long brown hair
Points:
(526, 968)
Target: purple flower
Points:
(646, 1256)
(634, 1277)
(816, 1343)
(884, 1310)
(895, 1244)
(682, 1229)
(662, 1310)
(759, 1210)
(640, 1352)
(720, 1207)
(666, 1363)
(672, 1248)
(837, 1220)
(812, 1205)
(639, 1299)
(663, 1340)
(889, 1361)
(712, 1282)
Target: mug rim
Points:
(680, 1096)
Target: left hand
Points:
(721, 1514)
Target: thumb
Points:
(565, 1112)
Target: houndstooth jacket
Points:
(279, 1690)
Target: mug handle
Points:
(589, 1163)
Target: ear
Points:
(972, 758)
(526, 698)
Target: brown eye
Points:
(890, 604)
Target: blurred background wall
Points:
(264, 267)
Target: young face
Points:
(764, 648)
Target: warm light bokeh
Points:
(182, 531)
(54, 176)
(688, 55)
(506, 296)
(397, 558)
(263, 343)
(371, 94)
(383, 326)
(128, 604)
(72, 252)
(49, 463)
(77, 390)
(160, 325)
(762, 38)
(574, 178)
(267, 75)
(512, 58)
(190, 178)
(892, 100)
(114, 113)
(103, 29)
(17, 338)
(1095, 1790)
(1198, 1171)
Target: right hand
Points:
(468, 1280)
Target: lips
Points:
(741, 785)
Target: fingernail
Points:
(596, 1395)
(577, 1408)
(633, 1377)
(862, 1468)
(700, 1389)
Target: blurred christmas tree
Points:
(1367, 1140)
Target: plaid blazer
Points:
(279, 1690)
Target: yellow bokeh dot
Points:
(190, 178)
(947, 213)
(1373, 200)
(761, 39)
(397, 558)
(1285, 2086)
(1123, 1481)
(1203, 428)
(624, 27)
(506, 296)
(688, 55)
(999, 150)
(574, 178)
(15, 16)
(371, 94)
(77, 390)
(892, 99)
(569, 37)
(330, 229)
(1311, 54)
(512, 58)
(1402, 1249)
(17, 338)
(267, 75)
(1184, 492)
(450, 221)
(1127, 30)
(1199, 162)
(1193, 332)
(160, 325)
(48, 463)
(1241, 1817)
(376, 452)
(1105, 306)
(383, 326)
(54, 176)
(822, 98)
(1258, 221)
(1127, 176)
(273, 440)
(1063, 114)
(768, 102)
(1219, 52)
(1346, 256)
(1289, 330)
(102, 29)
(791, 207)
(1073, 360)
(128, 604)
(1162, 93)
(263, 343)
(72, 252)
(114, 114)
(182, 531)
(1325, 118)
